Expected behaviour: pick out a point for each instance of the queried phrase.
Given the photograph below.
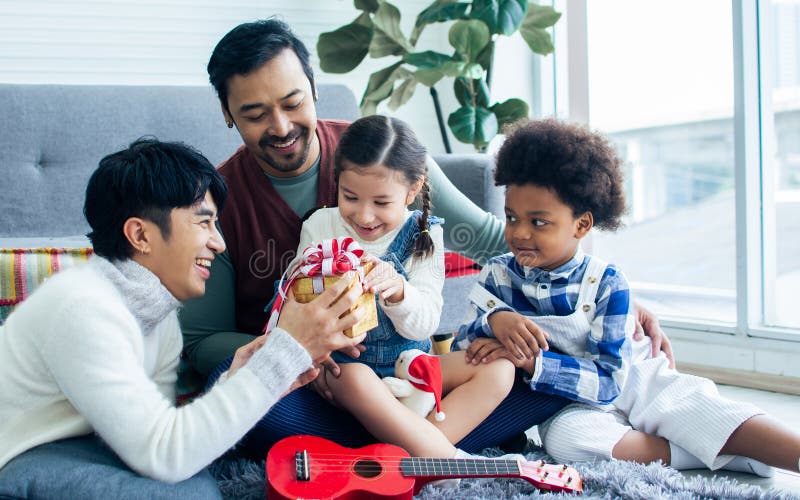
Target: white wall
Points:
(168, 42)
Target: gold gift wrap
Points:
(303, 290)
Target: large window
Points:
(661, 85)
(780, 56)
(703, 101)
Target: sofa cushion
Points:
(22, 270)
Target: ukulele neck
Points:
(451, 467)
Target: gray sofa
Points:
(52, 137)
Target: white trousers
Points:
(683, 409)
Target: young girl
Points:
(381, 170)
(561, 180)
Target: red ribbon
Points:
(332, 257)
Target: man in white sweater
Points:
(88, 362)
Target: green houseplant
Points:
(476, 25)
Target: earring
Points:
(230, 124)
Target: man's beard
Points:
(292, 164)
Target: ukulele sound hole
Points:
(367, 468)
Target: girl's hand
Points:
(519, 335)
(486, 350)
(320, 384)
(383, 280)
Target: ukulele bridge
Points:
(302, 472)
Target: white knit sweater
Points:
(74, 357)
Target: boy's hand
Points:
(383, 280)
(486, 350)
(647, 324)
(519, 335)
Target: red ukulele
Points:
(313, 467)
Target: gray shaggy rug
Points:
(244, 479)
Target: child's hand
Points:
(519, 335)
(383, 280)
(486, 350)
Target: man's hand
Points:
(318, 326)
(304, 378)
(647, 324)
(244, 353)
(384, 280)
(486, 350)
(521, 337)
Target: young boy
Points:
(566, 319)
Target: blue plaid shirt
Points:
(557, 294)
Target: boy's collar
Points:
(562, 271)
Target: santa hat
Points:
(425, 373)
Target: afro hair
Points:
(579, 166)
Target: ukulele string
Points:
(429, 466)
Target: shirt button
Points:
(490, 303)
(543, 286)
(586, 307)
(592, 279)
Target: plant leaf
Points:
(380, 86)
(387, 20)
(468, 38)
(533, 29)
(402, 93)
(486, 55)
(429, 76)
(453, 68)
(438, 12)
(473, 71)
(541, 16)
(382, 45)
(441, 11)
(343, 49)
(460, 68)
(368, 108)
(476, 126)
(427, 59)
(538, 40)
(462, 91)
(366, 5)
(501, 16)
(510, 111)
(365, 20)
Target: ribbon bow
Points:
(332, 257)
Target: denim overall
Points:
(383, 343)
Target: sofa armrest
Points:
(473, 175)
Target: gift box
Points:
(303, 290)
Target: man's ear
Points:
(135, 231)
(226, 114)
(583, 224)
